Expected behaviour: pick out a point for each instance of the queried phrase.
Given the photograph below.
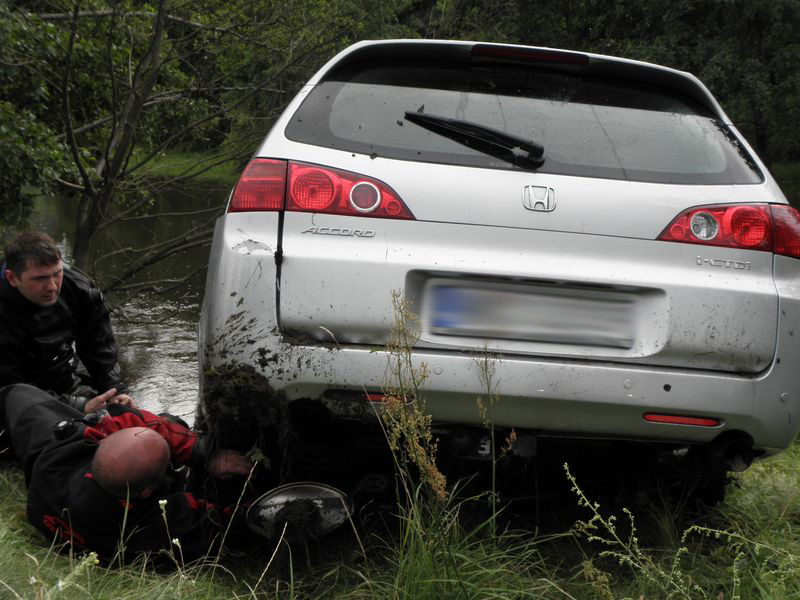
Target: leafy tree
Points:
(29, 162)
(746, 51)
(118, 84)
(31, 157)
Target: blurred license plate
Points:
(549, 314)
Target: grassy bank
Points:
(198, 167)
(436, 544)
(748, 547)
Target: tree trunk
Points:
(95, 207)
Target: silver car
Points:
(594, 224)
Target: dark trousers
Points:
(29, 417)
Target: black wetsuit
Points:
(65, 503)
(38, 344)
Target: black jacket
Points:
(38, 344)
(66, 504)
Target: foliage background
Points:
(224, 70)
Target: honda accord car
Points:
(596, 225)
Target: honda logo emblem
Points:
(539, 198)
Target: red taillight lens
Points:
(261, 186)
(787, 230)
(735, 226)
(313, 188)
(748, 225)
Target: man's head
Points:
(34, 267)
(131, 462)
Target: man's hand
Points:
(109, 397)
(225, 464)
(99, 402)
(122, 399)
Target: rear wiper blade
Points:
(506, 146)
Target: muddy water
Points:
(156, 334)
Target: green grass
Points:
(433, 555)
(748, 547)
(436, 545)
(201, 167)
(31, 569)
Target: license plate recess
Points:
(568, 314)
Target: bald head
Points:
(130, 461)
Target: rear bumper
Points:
(569, 397)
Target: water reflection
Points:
(157, 341)
(156, 333)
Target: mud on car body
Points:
(597, 224)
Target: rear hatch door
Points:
(554, 259)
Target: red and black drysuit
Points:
(56, 446)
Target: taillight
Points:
(766, 227)
(787, 230)
(312, 188)
(261, 186)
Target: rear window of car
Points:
(589, 126)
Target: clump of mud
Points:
(300, 517)
(241, 411)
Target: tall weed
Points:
(407, 423)
(433, 555)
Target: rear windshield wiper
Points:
(505, 146)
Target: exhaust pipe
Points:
(731, 451)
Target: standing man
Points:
(49, 315)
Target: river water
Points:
(156, 333)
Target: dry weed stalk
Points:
(408, 425)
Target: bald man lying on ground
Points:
(90, 476)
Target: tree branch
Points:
(69, 184)
(73, 145)
(179, 246)
(151, 285)
(187, 213)
(101, 14)
(203, 229)
(242, 99)
(143, 81)
(186, 175)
